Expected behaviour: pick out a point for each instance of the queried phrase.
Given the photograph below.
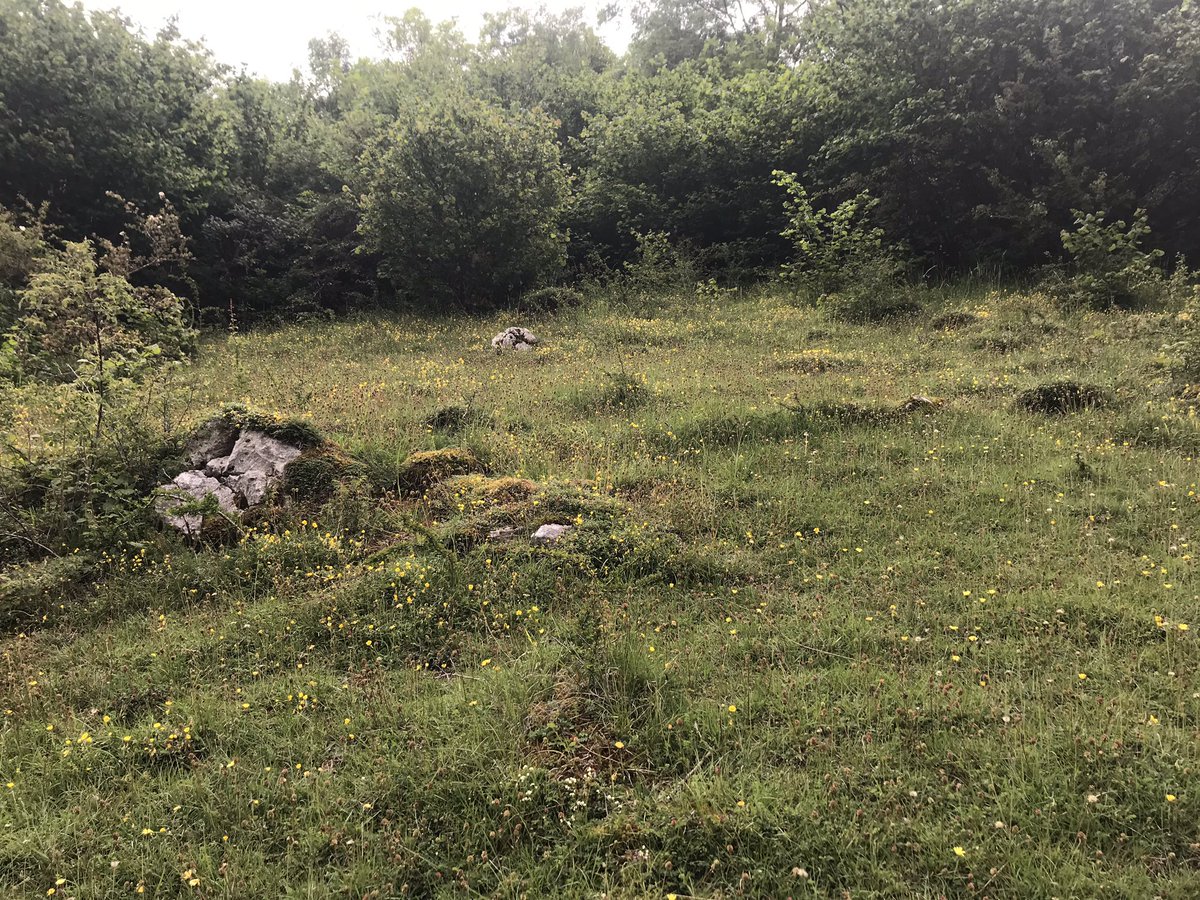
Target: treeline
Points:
(450, 171)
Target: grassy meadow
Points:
(806, 639)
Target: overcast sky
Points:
(270, 37)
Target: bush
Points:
(840, 261)
(1107, 265)
(659, 265)
(463, 201)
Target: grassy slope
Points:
(867, 650)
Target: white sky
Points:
(270, 37)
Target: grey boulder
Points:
(240, 473)
(515, 338)
(550, 533)
(189, 486)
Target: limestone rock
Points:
(254, 453)
(195, 485)
(215, 438)
(507, 533)
(550, 533)
(515, 338)
(236, 466)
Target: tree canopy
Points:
(451, 170)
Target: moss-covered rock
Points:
(313, 476)
(426, 468)
(296, 432)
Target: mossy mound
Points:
(1061, 397)
(426, 468)
(314, 475)
(476, 491)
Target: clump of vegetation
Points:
(314, 476)
(426, 468)
(841, 262)
(1060, 397)
(952, 320)
(614, 391)
(456, 417)
(552, 299)
(1108, 266)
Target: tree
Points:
(89, 106)
(463, 200)
(88, 316)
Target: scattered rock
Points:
(550, 533)
(507, 533)
(515, 338)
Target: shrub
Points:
(659, 265)
(839, 260)
(463, 201)
(1107, 265)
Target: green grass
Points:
(799, 644)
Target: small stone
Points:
(507, 533)
(548, 534)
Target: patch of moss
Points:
(298, 433)
(479, 490)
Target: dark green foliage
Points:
(94, 498)
(453, 171)
(87, 107)
(981, 125)
(462, 201)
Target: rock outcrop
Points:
(236, 466)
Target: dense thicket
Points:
(451, 171)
